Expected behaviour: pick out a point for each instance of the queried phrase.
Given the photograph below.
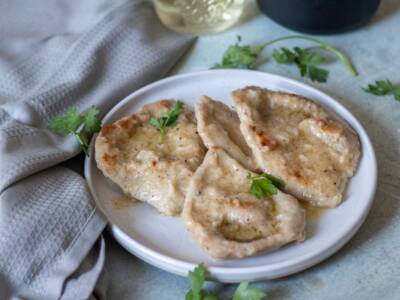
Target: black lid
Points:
(319, 16)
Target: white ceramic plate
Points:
(164, 242)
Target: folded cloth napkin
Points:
(54, 54)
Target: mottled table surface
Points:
(368, 267)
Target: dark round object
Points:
(319, 16)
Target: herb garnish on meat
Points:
(264, 185)
(168, 119)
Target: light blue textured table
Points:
(368, 267)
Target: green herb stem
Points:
(82, 142)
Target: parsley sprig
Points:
(384, 88)
(265, 185)
(82, 126)
(197, 278)
(168, 119)
(245, 57)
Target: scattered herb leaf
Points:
(285, 56)
(91, 123)
(82, 126)
(383, 88)
(279, 183)
(264, 185)
(306, 60)
(169, 118)
(239, 57)
(67, 123)
(248, 292)
(197, 278)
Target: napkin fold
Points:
(54, 54)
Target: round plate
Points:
(164, 241)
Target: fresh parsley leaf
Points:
(189, 295)
(256, 189)
(67, 123)
(306, 61)
(239, 57)
(308, 57)
(264, 185)
(317, 74)
(279, 183)
(196, 278)
(91, 123)
(156, 122)
(248, 292)
(169, 118)
(285, 56)
(81, 126)
(383, 88)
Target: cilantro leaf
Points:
(256, 189)
(156, 122)
(169, 118)
(279, 183)
(306, 56)
(67, 123)
(383, 88)
(285, 56)
(81, 126)
(239, 57)
(396, 93)
(264, 185)
(91, 123)
(267, 187)
(196, 278)
(189, 295)
(306, 61)
(317, 74)
(247, 292)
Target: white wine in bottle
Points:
(199, 16)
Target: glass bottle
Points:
(199, 16)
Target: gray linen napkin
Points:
(54, 54)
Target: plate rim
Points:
(296, 264)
